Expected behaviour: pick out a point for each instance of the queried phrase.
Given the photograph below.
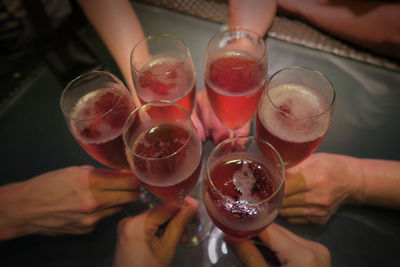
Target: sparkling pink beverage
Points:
(97, 124)
(234, 83)
(167, 78)
(167, 159)
(238, 193)
(292, 118)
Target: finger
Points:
(294, 200)
(113, 179)
(295, 183)
(112, 198)
(198, 126)
(286, 239)
(281, 241)
(246, 251)
(297, 220)
(296, 212)
(178, 223)
(159, 215)
(110, 211)
(244, 131)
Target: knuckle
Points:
(250, 258)
(88, 205)
(126, 226)
(89, 221)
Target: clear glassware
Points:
(295, 112)
(243, 186)
(235, 75)
(95, 106)
(162, 69)
(165, 153)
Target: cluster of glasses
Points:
(244, 176)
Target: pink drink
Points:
(97, 126)
(234, 83)
(169, 161)
(167, 79)
(296, 125)
(238, 203)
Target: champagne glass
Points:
(162, 69)
(95, 106)
(295, 111)
(165, 153)
(243, 186)
(235, 75)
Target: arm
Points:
(256, 15)
(119, 28)
(381, 183)
(373, 25)
(322, 183)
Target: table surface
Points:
(35, 139)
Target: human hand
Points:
(65, 201)
(290, 249)
(318, 186)
(207, 123)
(139, 243)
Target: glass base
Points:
(219, 253)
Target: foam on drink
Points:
(166, 155)
(165, 78)
(89, 124)
(293, 114)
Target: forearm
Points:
(11, 212)
(370, 24)
(119, 28)
(256, 15)
(380, 183)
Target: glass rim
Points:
(282, 180)
(239, 29)
(320, 74)
(105, 73)
(153, 103)
(154, 36)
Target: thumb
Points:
(165, 249)
(284, 243)
(246, 251)
(178, 223)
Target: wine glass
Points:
(95, 106)
(162, 69)
(243, 186)
(235, 75)
(165, 153)
(243, 189)
(295, 111)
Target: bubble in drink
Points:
(96, 122)
(167, 159)
(294, 120)
(167, 78)
(234, 83)
(237, 201)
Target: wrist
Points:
(12, 223)
(356, 179)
